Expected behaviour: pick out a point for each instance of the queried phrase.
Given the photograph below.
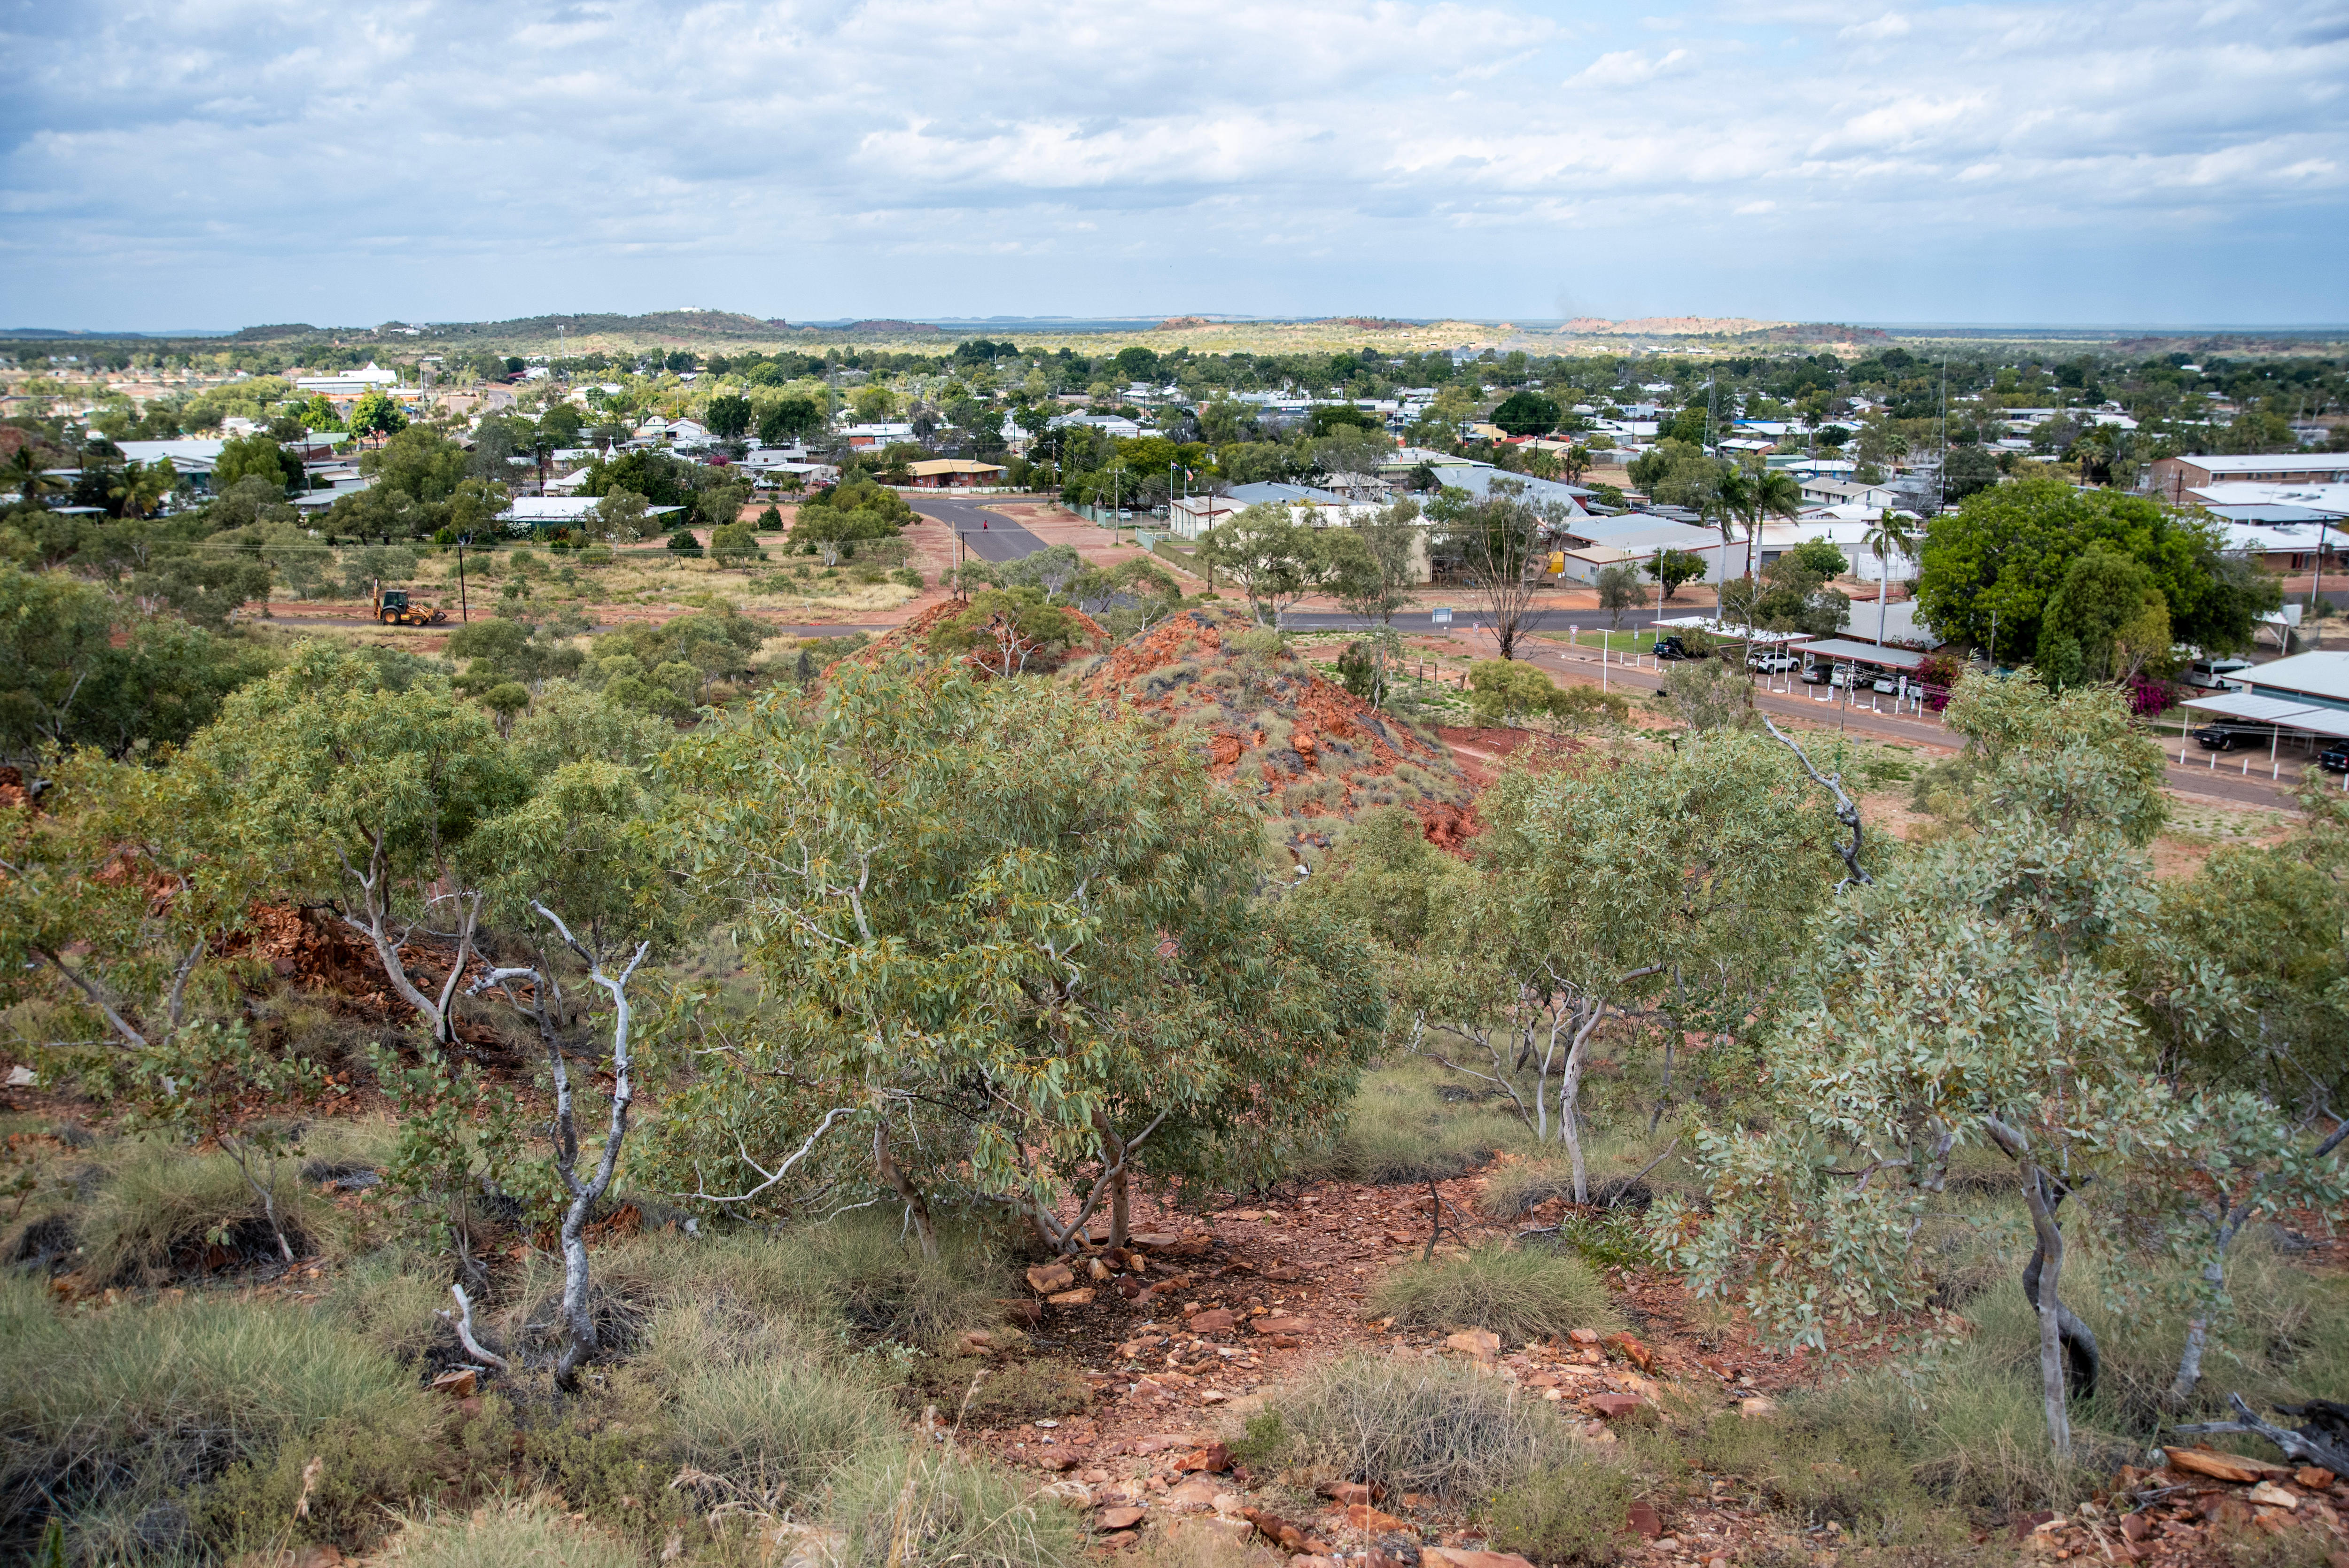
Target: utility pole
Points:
(464, 613)
(1941, 468)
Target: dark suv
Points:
(2335, 758)
(1673, 648)
(2229, 736)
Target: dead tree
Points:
(543, 1006)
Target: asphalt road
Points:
(990, 535)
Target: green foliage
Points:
(375, 413)
(2007, 551)
(1522, 1293)
(1565, 1513)
(1672, 568)
(459, 1134)
(116, 1419)
(65, 682)
(164, 1211)
(259, 457)
(1819, 555)
(1008, 632)
(967, 864)
(1527, 413)
(2105, 621)
(1508, 691)
(496, 651)
(733, 543)
(685, 542)
(1792, 595)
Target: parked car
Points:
(1771, 661)
(2335, 758)
(1819, 674)
(1888, 684)
(2211, 674)
(2228, 737)
(1673, 648)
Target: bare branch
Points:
(462, 1321)
(777, 1173)
(1846, 811)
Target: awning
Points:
(2275, 711)
(1866, 654)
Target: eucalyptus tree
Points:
(369, 789)
(1969, 996)
(1663, 887)
(1015, 946)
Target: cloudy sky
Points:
(226, 162)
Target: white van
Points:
(2211, 674)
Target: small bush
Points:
(1519, 1293)
(116, 1420)
(157, 1217)
(775, 1428)
(1434, 1426)
(506, 1535)
(909, 577)
(859, 1279)
(1563, 1513)
(905, 1508)
(1007, 1393)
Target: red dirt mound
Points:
(1265, 722)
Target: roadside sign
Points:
(1443, 615)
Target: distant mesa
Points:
(1177, 323)
(918, 328)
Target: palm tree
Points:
(1888, 536)
(143, 486)
(1772, 494)
(1724, 509)
(24, 471)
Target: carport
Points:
(2309, 721)
(1877, 659)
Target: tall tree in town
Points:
(1498, 539)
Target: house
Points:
(1113, 424)
(2331, 500)
(2174, 476)
(957, 473)
(867, 438)
(349, 384)
(1191, 515)
(1849, 492)
(528, 512)
(2282, 537)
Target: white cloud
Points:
(175, 161)
(1624, 67)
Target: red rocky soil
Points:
(1189, 672)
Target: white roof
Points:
(2273, 711)
(2331, 466)
(2323, 674)
(205, 452)
(2313, 496)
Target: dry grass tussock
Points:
(1520, 1293)
(508, 1533)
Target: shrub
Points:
(857, 1279)
(1436, 1427)
(117, 1419)
(1007, 1393)
(909, 577)
(168, 1212)
(1518, 1293)
(909, 1509)
(685, 542)
(776, 1428)
(1568, 1512)
(512, 1534)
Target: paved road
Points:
(990, 535)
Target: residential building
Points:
(866, 438)
(957, 473)
(1191, 515)
(2174, 476)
